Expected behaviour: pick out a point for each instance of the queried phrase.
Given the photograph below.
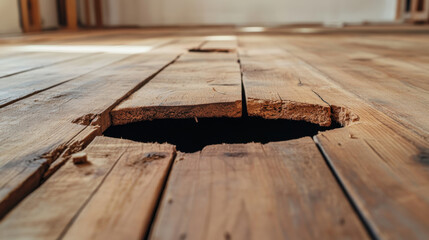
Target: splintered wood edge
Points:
(215, 110)
(313, 113)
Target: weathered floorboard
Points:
(110, 197)
(196, 85)
(15, 87)
(281, 190)
(57, 116)
(23, 62)
(380, 163)
(18, 86)
(273, 86)
(124, 205)
(372, 79)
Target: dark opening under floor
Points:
(190, 136)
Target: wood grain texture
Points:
(378, 160)
(123, 206)
(57, 116)
(372, 81)
(71, 14)
(19, 62)
(196, 85)
(273, 86)
(385, 175)
(279, 190)
(395, 87)
(19, 86)
(228, 45)
(382, 166)
(76, 190)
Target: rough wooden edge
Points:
(129, 115)
(318, 114)
(343, 115)
(290, 110)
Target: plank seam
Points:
(69, 224)
(160, 197)
(55, 85)
(97, 121)
(244, 112)
(330, 80)
(81, 57)
(365, 222)
(48, 65)
(64, 150)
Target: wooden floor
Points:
(368, 179)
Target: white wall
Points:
(246, 12)
(48, 13)
(10, 16)
(9, 20)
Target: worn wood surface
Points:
(379, 162)
(371, 80)
(82, 200)
(21, 62)
(388, 82)
(273, 85)
(57, 116)
(280, 190)
(198, 84)
(19, 86)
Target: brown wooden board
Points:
(379, 162)
(279, 190)
(18, 62)
(198, 84)
(374, 86)
(273, 85)
(395, 88)
(18, 86)
(38, 129)
(112, 196)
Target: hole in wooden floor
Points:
(191, 136)
(209, 50)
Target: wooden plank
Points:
(380, 88)
(87, 10)
(90, 197)
(98, 13)
(30, 17)
(380, 163)
(124, 205)
(395, 60)
(21, 62)
(18, 86)
(386, 176)
(57, 116)
(25, 16)
(255, 191)
(273, 86)
(196, 85)
(399, 10)
(36, 21)
(71, 14)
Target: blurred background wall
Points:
(9, 16)
(212, 12)
(246, 12)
